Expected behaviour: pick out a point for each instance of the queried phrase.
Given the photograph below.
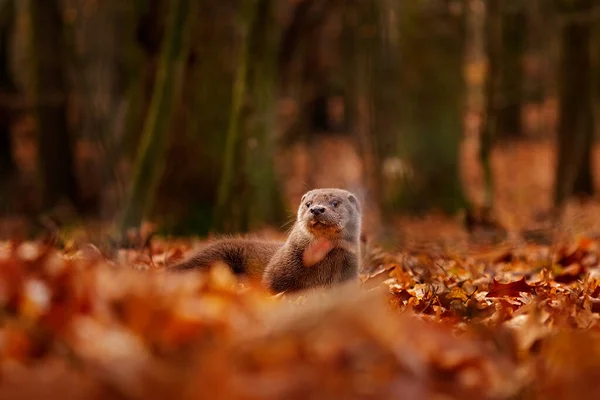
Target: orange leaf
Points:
(511, 289)
(316, 251)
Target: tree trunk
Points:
(596, 55)
(575, 125)
(150, 159)
(228, 212)
(491, 122)
(7, 88)
(150, 32)
(264, 202)
(431, 108)
(368, 64)
(50, 102)
(196, 152)
(504, 88)
(510, 69)
(584, 184)
(102, 61)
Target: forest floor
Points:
(439, 316)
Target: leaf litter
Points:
(518, 322)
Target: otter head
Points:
(334, 213)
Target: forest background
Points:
(216, 116)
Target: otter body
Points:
(322, 249)
(243, 255)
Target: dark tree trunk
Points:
(196, 154)
(103, 66)
(7, 88)
(432, 104)
(249, 193)
(575, 125)
(150, 159)
(369, 96)
(264, 198)
(492, 119)
(50, 103)
(150, 32)
(584, 185)
(7, 164)
(228, 211)
(512, 32)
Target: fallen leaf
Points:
(511, 289)
(316, 252)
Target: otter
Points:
(322, 248)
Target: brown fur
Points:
(282, 264)
(243, 256)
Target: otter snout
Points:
(317, 210)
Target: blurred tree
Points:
(509, 60)
(430, 106)
(50, 102)
(228, 208)
(505, 38)
(150, 28)
(169, 78)
(149, 34)
(103, 54)
(576, 123)
(540, 31)
(263, 197)
(490, 127)
(370, 57)
(596, 58)
(303, 59)
(7, 88)
(249, 194)
(198, 139)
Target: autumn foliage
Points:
(517, 322)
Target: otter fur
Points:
(322, 248)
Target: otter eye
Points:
(308, 204)
(335, 203)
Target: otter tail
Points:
(243, 256)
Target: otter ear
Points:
(302, 199)
(353, 200)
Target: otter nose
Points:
(316, 210)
